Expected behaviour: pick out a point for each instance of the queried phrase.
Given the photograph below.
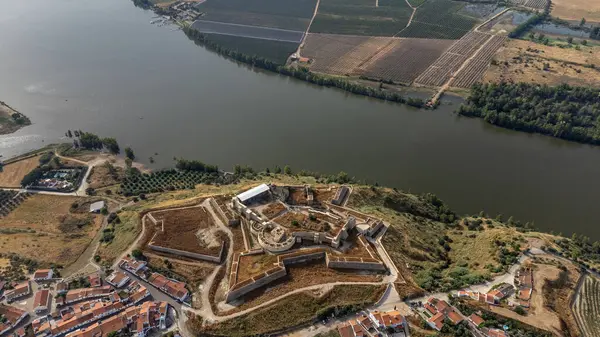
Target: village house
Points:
(62, 287)
(496, 333)
(43, 275)
(171, 287)
(390, 319)
(437, 321)
(132, 265)
(42, 301)
(76, 295)
(117, 279)
(95, 280)
(20, 332)
(476, 320)
(20, 290)
(13, 316)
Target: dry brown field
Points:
(190, 229)
(300, 277)
(273, 209)
(405, 60)
(102, 177)
(12, 174)
(577, 9)
(287, 218)
(43, 228)
(523, 61)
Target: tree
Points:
(287, 170)
(584, 42)
(569, 40)
(90, 141)
(129, 153)
(582, 23)
(111, 145)
(532, 36)
(519, 310)
(277, 170)
(138, 254)
(69, 134)
(32, 176)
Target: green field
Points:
(439, 19)
(361, 17)
(275, 51)
(284, 14)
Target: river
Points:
(101, 66)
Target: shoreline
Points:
(11, 120)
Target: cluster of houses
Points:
(492, 297)
(374, 323)
(85, 312)
(525, 283)
(172, 288)
(438, 311)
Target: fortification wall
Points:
(197, 256)
(255, 283)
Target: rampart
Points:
(197, 256)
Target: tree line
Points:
(531, 22)
(567, 112)
(301, 73)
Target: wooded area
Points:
(566, 112)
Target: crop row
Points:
(9, 201)
(439, 19)
(537, 4)
(587, 307)
(328, 52)
(166, 180)
(406, 60)
(443, 68)
(476, 68)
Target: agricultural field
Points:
(275, 51)
(11, 174)
(405, 60)
(530, 62)
(473, 72)
(190, 229)
(253, 32)
(10, 200)
(284, 14)
(342, 55)
(587, 306)
(49, 229)
(361, 17)
(443, 68)
(576, 9)
(163, 181)
(533, 4)
(439, 19)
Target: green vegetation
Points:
(361, 17)
(439, 19)
(566, 112)
(580, 249)
(531, 22)
(273, 51)
(303, 73)
(129, 153)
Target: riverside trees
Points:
(571, 113)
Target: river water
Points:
(101, 66)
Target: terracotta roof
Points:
(365, 321)
(476, 319)
(95, 280)
(61, 286)
(394, 317)
(158, 280)
(345, 330)
(20, 332)
(496, 293)
(20, 289)
(430, 308)
(42, 273)
(454, 317)
(358, 330)
(525, 294)
(442, 306)
(42, 299)
(437, 320)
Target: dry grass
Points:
(181, 231)
(523, 61)
(54, 234)
(273, 209)
(102, 177)
(291, 311)
(12, 174)
(577, 9)
(251, 265)
(125, 234)
(192, 272)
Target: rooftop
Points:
(253, 192)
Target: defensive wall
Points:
(210, 258)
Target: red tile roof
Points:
(525, 294)
(42, 299)
(437, 320)
(454, 317)
(496, 333)
(42, 274)
(476, 319)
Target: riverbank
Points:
(11, 120)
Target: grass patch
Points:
(125, 234)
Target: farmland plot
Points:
(275, 51)
(439, 19)
(441, 70)
(535, 4)
(339, 54)
(284, 14)
(254, 32)
(476, 68)
(361, 17)
(406, 60)
(587, 307)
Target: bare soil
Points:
(12, 174)
(273, 209)
(577, 9)
(523, 61)
(101, 176)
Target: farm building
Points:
(253, 194)
(97, 206)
